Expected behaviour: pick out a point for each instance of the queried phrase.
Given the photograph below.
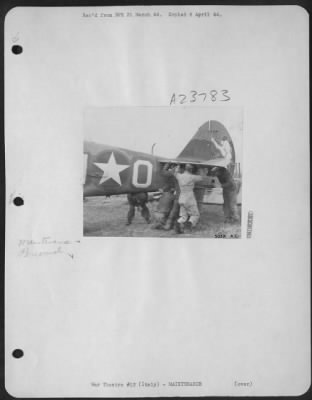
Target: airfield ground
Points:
(108, 216)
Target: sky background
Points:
(137, 128)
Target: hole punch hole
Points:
(17, 49)
(17, 353)
(18, 201)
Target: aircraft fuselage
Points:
(111, 171)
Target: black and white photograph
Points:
(193, 190)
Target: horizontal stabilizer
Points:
(218, 162)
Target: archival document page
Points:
(157, 201)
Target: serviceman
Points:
(225, 149)
(229, 190)
(138, 200)
(174, 213)
(163, 209)
(200, 187)
(173, 186)
(187, 201)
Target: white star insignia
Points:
(111, 170)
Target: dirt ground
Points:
(108, 216)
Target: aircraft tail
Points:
(201, 148)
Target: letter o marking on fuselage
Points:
(135, 175)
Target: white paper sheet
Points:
(139, 317)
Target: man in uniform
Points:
(229, 190)
(174, 213)
(187, 201)
(163, 209)
(138, 200)
(225, 149)
(200, 187)
(168, 203)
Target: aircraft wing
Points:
(217, 162)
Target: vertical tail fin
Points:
(200, 147)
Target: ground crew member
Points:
(188, 205)
(229, 190)
(174, 213)
(171, 184)
(138, 200)
(200, 187)
(163, 209)
(225, 149)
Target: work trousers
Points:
(144, 212)
(230, 205)
(188, 209)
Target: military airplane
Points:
(110, 170)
